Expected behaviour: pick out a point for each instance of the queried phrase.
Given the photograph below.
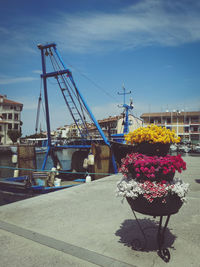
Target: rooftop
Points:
(4, 100)
(168, 114)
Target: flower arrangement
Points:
(153, 168)
(152, 190)
(152, 134)
(148, 174)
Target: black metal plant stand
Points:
(162, 252)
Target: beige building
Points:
(114, 125)
(185, 124)
(10, 118)
(110, 126)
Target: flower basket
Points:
(152, 149)
(171, 205)
(148, 181)
(142, 168)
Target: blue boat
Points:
(82, 117)
(109, 151)
(24, 185)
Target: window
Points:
(194, 119)
(16, 116)
(168, 120)
(10, 116)
(194, 129)
(158, 120)
(16, 126)
(9, 126)
(4, 116)
(195, 137)
(187, 120)
(186, 129)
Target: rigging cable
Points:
(94, 83)
(38, 108)
(68, 86)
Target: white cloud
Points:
(37, 71)
(11, 80)
(143, 24)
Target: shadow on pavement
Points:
(131, 235)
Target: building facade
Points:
(114, 125)
(111, 125)
(10, 118)
(185, 124)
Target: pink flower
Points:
(155, 165)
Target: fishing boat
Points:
(118, 143)
(18, 188)
(80, 113)
(39, 143)
(92, 152)
(24, 185)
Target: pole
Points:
(46, 105)
(45, 95)
(126, 126)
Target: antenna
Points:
(126, 109)
(124, 93)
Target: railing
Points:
(195, 132)
(195, 122)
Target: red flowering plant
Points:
(152, 168)
(151, 177)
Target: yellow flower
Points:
(152, 134)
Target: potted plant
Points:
(152, 140)
(152, 168)
(148, 181)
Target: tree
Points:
(14, 135)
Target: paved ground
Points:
(88, 226)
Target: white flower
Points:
(130, 188)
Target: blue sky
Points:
(150, 46)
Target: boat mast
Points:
(44, 76)
(127, 108)
(44, 52)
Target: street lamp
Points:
(178, 112)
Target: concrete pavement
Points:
(88, 226)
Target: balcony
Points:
(195, 123)
(194, 132)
